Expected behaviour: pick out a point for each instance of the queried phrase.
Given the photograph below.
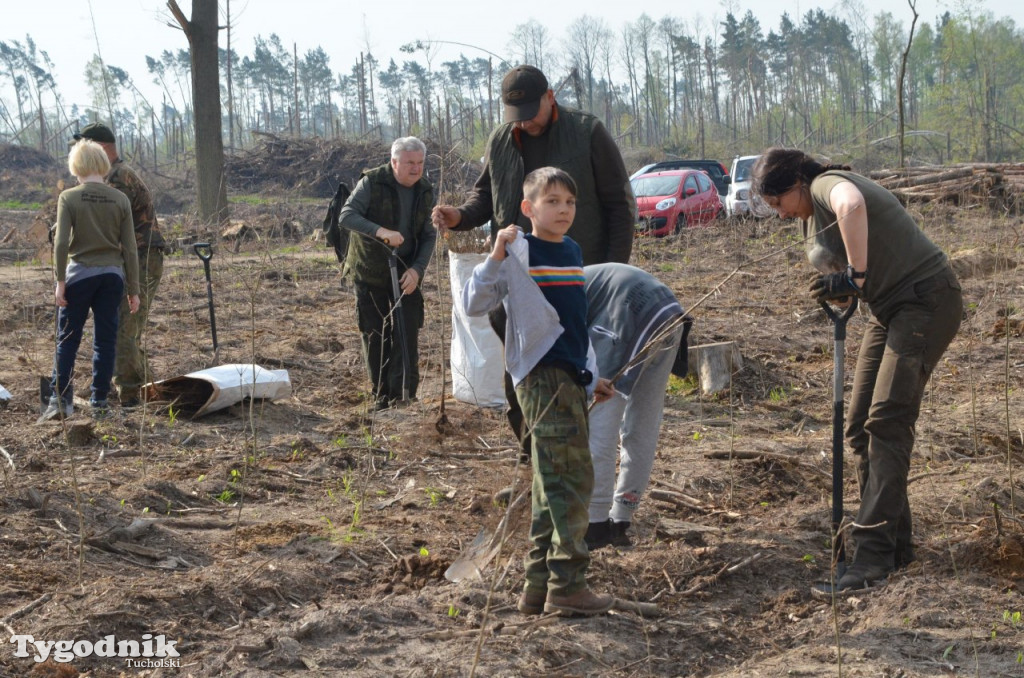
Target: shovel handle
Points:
(840, 317)
(203, 250)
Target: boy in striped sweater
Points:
(539, 278)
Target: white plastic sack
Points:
(477, 357)
(205, 391)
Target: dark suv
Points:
(714, 169)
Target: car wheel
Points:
(681, 223)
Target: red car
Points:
(668, 201)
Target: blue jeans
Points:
(102, 294)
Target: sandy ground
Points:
(310, 536)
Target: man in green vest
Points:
(538, 132)
(389, 209)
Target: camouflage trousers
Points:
(555, 407)
(130, 367)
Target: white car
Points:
(739, 201)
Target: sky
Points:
(126, 31)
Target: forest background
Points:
(822, 80)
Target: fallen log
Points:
(908, 181)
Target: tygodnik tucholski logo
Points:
(151, 652)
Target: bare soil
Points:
(310, 535)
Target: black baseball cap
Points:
(521, 92)
(96, 131)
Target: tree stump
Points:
(714, 364)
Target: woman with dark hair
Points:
(866, 244)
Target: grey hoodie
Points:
(533, 325)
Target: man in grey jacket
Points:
(638, 331)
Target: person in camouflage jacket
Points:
(131, 369)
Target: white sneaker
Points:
(55, 409)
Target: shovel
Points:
(398, 318)
(204, 251)
(839, 333)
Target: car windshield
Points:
(649, 187)
(743, 169)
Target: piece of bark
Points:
(670, 528)
(677, 498)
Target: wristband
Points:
(854, 274)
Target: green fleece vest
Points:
(569, 150)
(367, 262)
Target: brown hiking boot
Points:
(531, 601)
(584, 603)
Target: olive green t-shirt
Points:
(95, 228)
(899, 253)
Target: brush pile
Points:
(311, 167)
(16, 157)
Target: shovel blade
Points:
(45, 391)
(473, 560)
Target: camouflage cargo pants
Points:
(563, 479)
(130, 368)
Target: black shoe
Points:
(904, 556)
(865, 576)
(598, 535)
(617, 531)
(607, 533)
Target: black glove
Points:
(834, 287)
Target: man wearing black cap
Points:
(556, 136)
(130, 369)
(571, 140)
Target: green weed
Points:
(19, 205)
(248, 200)
(677, 386)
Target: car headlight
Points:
(743, 194)
(665, 204)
